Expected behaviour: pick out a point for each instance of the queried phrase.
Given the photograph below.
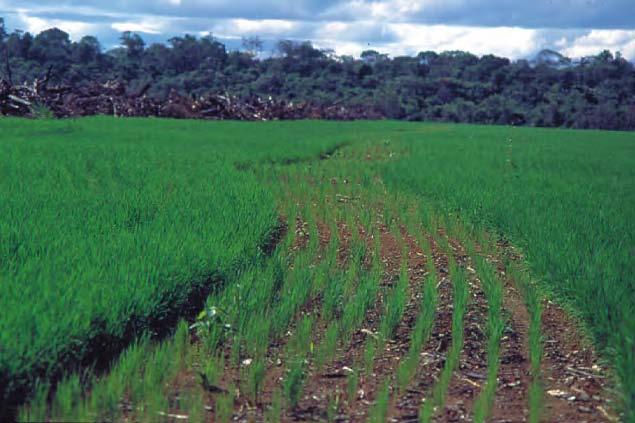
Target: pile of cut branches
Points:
(113, 98)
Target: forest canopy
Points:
(455, 86)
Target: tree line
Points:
(454, 86)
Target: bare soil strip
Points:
(276, 366)
(324, 233)
(387, 361)
(472, 370)
(244, 408)
(301, 234)
(575, 383)
(330, 385)
(344, 248)
(406, 407)
(189, 380)
(512, 397)
(512, 393)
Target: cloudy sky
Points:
(511, 28)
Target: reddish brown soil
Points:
(275, 361)
(512, 396)
(387, 361)
(390, 254)
(324, 233)
(275, 370)
(575, 386)
(244, 408)
(576, 389)
(575, 382)
(369, 240)
(322, 388)
(512, 393)
(343, 250)
(467, 379)
(406, 407)
(301, 235)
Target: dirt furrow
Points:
(468, 378)
(512, 393)
(576, 389)
(406, 407)
(344, 247)
(324, 235)
(575, 382)
(234, 374)
(330, 385)
(276, 366)
(301, 239)
(387, 361)
(511, 403)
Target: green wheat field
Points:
(163, 270)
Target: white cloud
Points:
(361, 32)
(148, 26)
(501, 27)
(598, 40)
(395, 9)
(503, 41)
(264, 26)
(34, 24)
(407, 39)
(341, 48)
(511, 42)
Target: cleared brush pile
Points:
(112, 98)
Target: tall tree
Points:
(551, 90)
(133, 44)
(373, 56)
(52, 47)
(18, 45)
(87, 50)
